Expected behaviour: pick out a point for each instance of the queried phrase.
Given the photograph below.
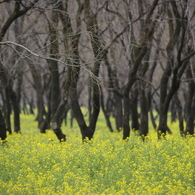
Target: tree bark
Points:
(117, 97)
(7, 111)
(180, 114)
(143, 114)
(134, 112)
(53, 64)
(106, 115)
(2, 127)
(57, 120)
(189, 104)
(39, 94)
(16, 109)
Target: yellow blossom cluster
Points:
(37, 164)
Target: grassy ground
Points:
(37, 164)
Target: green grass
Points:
(37, 164)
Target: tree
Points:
(2, 127)
(139, 52)
(18, 10)
(175, 65)
(190, 103)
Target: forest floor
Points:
(37, 164)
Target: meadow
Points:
(37, 164)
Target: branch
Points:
(114, 12)
(10, 43)
(14, 15)
(119, 34)
(150, 83)
(84, 65)
(188, 57)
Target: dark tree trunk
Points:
(2, 127)
(7, 111)
(131, 80)
(89, 99)
(118, 112)
(106, 114)
(162, 128)
(46, 92)
(57, 120)
(39, 94)
(126, 117)
(11, 99)
(189, 104)
(165, 98)
(53, 64)
(114, 86)
(91, 23)
(173, 110)
(96, 100)
(180, 115)
(134, 110)
(45, 124)
(19, 86)
(40, 108)
(55, 86)
(71, 118)
(85, 131)
(18, 28)
(143, 114)
(144, 101)
(16, 109)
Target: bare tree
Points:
(175, 64)
(19, 10)
(139, 51)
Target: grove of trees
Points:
(132, 59)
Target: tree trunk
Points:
(85, 131)
(53, 64)
(173, 110)
(126, 117)
(39, 94)
(106, 115)
(2, 127)
(143, 114)
(7, 111)
(180, 115)
(57, 120)
(134, 112)
(131, 81)
(189, 104)
(114, 86)
(16, 109)
(162, 128)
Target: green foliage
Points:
(37, 164)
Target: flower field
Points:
(35, 164)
